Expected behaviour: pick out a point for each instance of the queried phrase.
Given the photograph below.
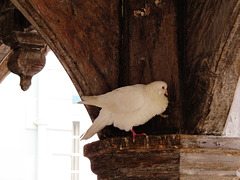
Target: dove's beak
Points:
(166, 93)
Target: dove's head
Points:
(159, 87)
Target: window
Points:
(75, 151)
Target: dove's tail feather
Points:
(102, 120)
(89, 100)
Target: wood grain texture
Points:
(147, 158)
(85, 37)
(165, 157)
(150, 53)
(211, 66)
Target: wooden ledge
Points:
(165, 156)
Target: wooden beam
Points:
(4, 50)
(211, 66)
(150, 53)
(5, 54)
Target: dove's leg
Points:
(134, 134)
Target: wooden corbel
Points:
(28, 56)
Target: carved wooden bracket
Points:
(29, 55)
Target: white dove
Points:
(127, 107)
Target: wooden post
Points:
(150, 53)
(211, 63)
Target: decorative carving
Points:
(29, 55)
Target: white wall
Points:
(46, 108)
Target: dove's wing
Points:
(126, 99)
(121, 100)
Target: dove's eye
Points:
(163, 87)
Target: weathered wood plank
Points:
(211, 142)
(204, 177)
(209, 161)
(211, 66)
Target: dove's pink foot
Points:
(134, 134)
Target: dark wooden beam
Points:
(150, 53)
(211, 66)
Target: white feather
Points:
(100, 122)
